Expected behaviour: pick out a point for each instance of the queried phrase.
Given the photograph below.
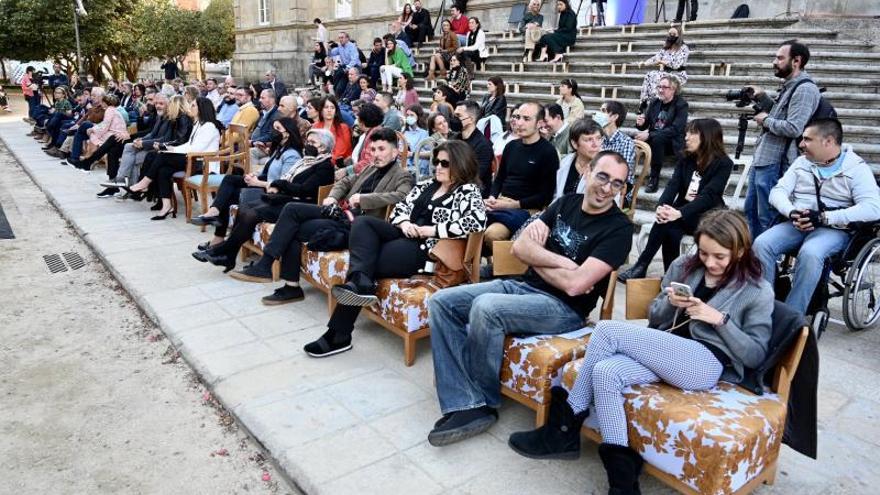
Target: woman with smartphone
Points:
(697, 186)
(717, 332)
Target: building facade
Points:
(279, 33)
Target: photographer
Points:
(823, 191)
(785, 122)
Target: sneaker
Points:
(349, 294)
(462, 425)
(121, 195)
(283, 295)
(254, 273)
(323, 348)
(115, 183)
(108, 192)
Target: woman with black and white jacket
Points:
(205, 137)
(447, 207)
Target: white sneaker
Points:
(115, 183)
(121, 195)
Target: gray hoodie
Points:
(853, 189)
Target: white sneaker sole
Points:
(349, 298)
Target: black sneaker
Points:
(283, 295)
(462, 425)
(349, 294)
(108, 192)
(254, 273)
(324, 348)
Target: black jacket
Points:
(161, 132)
(304, 186)
(497, 107)
(675, 122)
(180, 130)
(710, 192)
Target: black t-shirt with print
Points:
(578, 236)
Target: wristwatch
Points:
(725, 317)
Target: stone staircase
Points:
(724, 55)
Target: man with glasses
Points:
(662, 126)
(526, 175)
(468, 112)
(571, 251)
(247, 114)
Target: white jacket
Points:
(479, 45)
(204, 138)
(852, 189)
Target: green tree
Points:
(216, 40)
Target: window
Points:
(263, 14)
(343, 8)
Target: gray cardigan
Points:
(746, 335)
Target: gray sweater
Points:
(745, 336)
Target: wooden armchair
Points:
(643, 160)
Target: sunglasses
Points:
(441, 163)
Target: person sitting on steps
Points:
(662, 126)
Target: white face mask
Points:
(410, 120)
(601, 118)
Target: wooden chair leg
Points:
(543, 413)
(243, 254)
(203, 203)
(409, 350)
(770, 474)
(331, 304)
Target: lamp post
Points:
(77, 9)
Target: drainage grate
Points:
(74, 260)
(56, 263)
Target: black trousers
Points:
(377, 250)
(227, 195)
(668, 237)
(245, 222)
(163, 168)
(680, 11)
(112, 147)
(296, 224)
(660, 147)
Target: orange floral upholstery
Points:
(327, 268)
(714, 441)
(532, 365)
(404, 302)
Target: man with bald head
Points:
(287, 108)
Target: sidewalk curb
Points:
(192, 361)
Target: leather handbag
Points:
(449, 267)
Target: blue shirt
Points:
(826, 172)
(349, 55)
(226, 113)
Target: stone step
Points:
(691, 35)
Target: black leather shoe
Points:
(653, 185)
(639, 270)
(283, 295)
(200, 221)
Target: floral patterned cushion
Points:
(715, 441)
(326, 268)
(532, 364)
(404, 302)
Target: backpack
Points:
(824, 110)
(741, 12)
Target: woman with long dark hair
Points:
(570, 100)
(447, 206)
(205, 137)
(458, 81)
(669, 60)
(715, 330)
(475, 51)
(553, 44)
(697, 186)
(285, 150)
(316, 68)
(448, 47)
(330, 118)
(494, 102)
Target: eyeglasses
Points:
(661, 86)
(604, 179)
(441, 163)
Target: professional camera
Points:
(38, 78)
(744, 97)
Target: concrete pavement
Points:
(358, 422)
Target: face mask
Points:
(90, 80)
(276, 136)
(670, 40)
(310, 150)
(410, 120)
(601, 118)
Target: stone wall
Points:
(285, 41)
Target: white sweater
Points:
(203, 138)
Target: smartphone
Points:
(681, 290)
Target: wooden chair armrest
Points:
(503, 260)
(640, 292)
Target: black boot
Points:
(653, 184)
(639, 270)
(623, 466)
(560, 438)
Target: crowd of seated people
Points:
(555, 179)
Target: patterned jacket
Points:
(463, 212)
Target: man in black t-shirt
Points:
(526, 176)
(571, 251)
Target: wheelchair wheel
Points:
(861, 294)
(819, 322)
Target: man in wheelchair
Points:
(825, 190)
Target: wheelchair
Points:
(853, 274)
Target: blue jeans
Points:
(468, 324)
(33, 104)
(812, 248)
(759, 213)
(462, 39)
(78, 139)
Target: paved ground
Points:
(94, 400)
(358, 422)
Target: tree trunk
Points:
(3, 69)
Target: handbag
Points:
(449, 268)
